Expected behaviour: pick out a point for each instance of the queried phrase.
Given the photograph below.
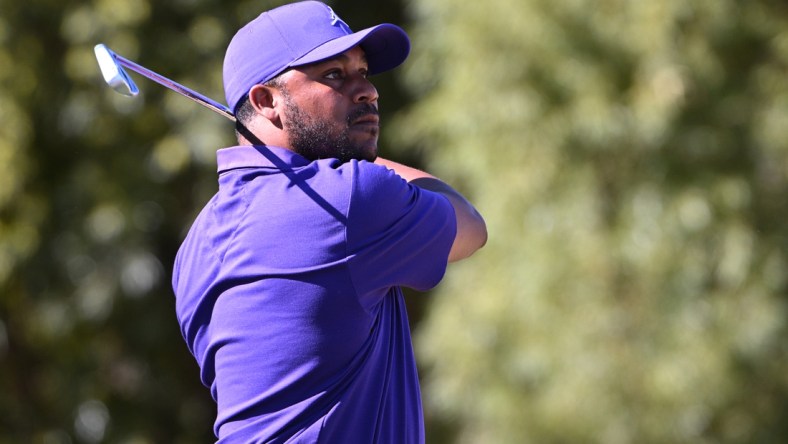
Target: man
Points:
(288, 283)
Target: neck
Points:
(247, 136)
(252, 134)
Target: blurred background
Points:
(630, 157)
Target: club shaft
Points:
(177, 87)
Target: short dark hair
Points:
(245, 112)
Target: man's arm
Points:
(471, 228)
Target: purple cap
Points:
(298, 34)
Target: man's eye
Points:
(334, 75)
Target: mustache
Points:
(361, 111)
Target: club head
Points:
(114, 74)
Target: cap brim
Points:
(386, 46)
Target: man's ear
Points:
(264, 100)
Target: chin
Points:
(369, 154)
(362, 150)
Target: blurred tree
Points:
(631, 158)
(96, 193)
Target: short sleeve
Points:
(398, 234)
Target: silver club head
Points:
(112, 68)
(114, 74)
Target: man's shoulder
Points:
(373, 177)
(360, 177)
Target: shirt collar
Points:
(245, 156)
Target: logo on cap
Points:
(336, 21)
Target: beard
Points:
(315, 138)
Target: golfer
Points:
(288, 283)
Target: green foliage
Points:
(631, 159)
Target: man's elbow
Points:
(470, 238)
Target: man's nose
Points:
(365, 91)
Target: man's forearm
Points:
(406, 172)
(471, 228)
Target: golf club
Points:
(111, 66)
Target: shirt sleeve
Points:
(398, 234)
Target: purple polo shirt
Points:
(288, 295)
